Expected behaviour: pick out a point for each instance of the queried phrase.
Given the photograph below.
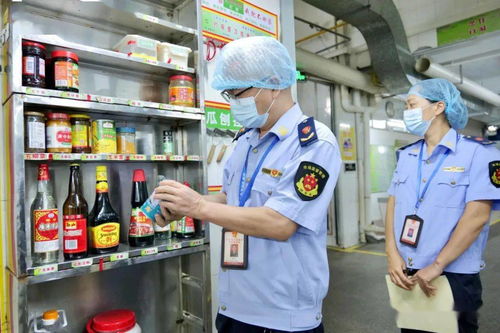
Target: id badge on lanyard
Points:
(413, 224)
(234, 244)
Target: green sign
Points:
(468, 28)
(234, 5)
(221, 119)
(299, 76)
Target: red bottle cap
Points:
(30, 43)
(114, 321)
(139, 175)
(43, 172)
(64, 54)
(62, 116)
(187, 184)
(181, 77)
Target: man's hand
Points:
(396, 266)
(179, 199)
(425, 276)
(166, 217)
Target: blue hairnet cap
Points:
(260, 62)
(436, 90)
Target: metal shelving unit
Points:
(89, 29)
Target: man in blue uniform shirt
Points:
(441, 197)
(277, 187)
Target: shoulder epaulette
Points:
(307, 132)
(242, 131)
(404, 147)
(479, 140)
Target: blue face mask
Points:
(414, 121)
(245, 111)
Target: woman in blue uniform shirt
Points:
(442, 193)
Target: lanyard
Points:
(420, 197)
(245, 194)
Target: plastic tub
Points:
(138, 46)
(173, 54)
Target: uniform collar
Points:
(449, 141)
(282, 128)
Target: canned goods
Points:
(103, 136)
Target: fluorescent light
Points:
(382, 149)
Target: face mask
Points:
(245, 112)
(414, 122)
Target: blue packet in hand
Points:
(151, 207)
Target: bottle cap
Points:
(43, 172)
(139, 175)
(50, 317)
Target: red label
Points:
(46, 225)
(75, 233)
(140, 224)
(63, 136)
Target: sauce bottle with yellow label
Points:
(104, 222)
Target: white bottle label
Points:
(58, 137)
(36, 135)
(41, 66)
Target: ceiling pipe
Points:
(333, 71)
(427, 67)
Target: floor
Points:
(358, 302)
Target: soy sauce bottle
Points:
(141, 232)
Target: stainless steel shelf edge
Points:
(109, 108)
(94, 55)
(107, 265)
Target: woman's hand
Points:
(396, 267)
(425, 276)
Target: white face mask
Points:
(414, 121)
(245, 111)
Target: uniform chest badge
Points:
(310, 180)
(275, 173)
(495, 173)
(454, 169)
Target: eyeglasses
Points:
(229, 96)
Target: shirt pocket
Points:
(264, 186)
(451, 189)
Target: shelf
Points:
(108, 58)
(120, 14)
(95, 104)
(110, 157)
(125, 256)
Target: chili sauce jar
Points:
(66, 71)
(33, 64)
(80, 134)
(181, 90)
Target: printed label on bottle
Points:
(80, 136)
(41, 67)
(140, 224)
(46, 230)
(66, 74)
(75, 233)
(36, 135)
(28, 65)
(181, 96)
(58, 137)
(105, 235)
(185, 225)
(102, 187)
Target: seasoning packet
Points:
(151, 207)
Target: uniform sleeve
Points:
(485, 176)
(392, 187)
(305, 189)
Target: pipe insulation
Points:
(427, 67)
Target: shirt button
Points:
(453, 182)
(269, 192)
(255, 150)
(223, 308)
(248, 179)
(318, 317)
(424, 180)
(428, 162)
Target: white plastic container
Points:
(173, 54)
(138, 46)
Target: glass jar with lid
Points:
(125, 139)
(181, 90)
(34, 132)
(80, 133)
(58, 133)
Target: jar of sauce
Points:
(80, 134)
(33, 64)
(114, 321)
(34, 132)
(66, 71)
(58, 133)
(125, 138)
(181, 90)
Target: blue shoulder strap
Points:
(242, 131)
(307, 132)
(479, 140)
(404, 147)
